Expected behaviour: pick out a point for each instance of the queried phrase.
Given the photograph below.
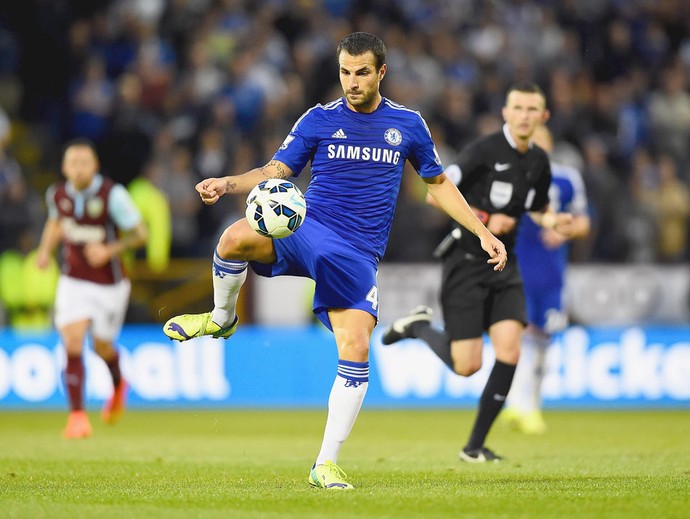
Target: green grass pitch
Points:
(252, 464)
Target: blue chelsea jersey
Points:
(357, 162)
(540, 265)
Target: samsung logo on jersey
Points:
(348, 152)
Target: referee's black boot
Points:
(480, 455)
(401, 328)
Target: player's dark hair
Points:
(527, 87)
(80, 141)
(357, 43)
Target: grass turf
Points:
(252, 464)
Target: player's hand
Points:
(552, 239)
(498, 257)
(211, 189)
(500, 223)
(565, 225)
(97, 254)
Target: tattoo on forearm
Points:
(280, 171)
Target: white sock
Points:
(520, 395)
(541, 344)
(344, 404)
(228, 278)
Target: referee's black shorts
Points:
(474, 296)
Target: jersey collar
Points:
(92, 189)
(509, 138)
(361, 114)
(80, 197)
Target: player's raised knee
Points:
(239, 241)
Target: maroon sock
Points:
(74, 381)
(114, 367)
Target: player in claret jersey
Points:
(357, 146)
(96, 220)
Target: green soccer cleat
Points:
(328, 476)
(188, 326)
(511, 416)
(532, 423)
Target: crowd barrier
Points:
(276, 367)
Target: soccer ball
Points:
(275, 208)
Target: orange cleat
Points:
(113, 408)
(78, 426)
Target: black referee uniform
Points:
(494, 177)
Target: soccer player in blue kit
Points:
(542, 255)
(357, 146)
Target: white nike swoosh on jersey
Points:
(501, 167)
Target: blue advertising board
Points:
(295, 367)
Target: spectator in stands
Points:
(606, 195)
(178, 185)
(92, 98)
(669, 112)
(639, 229)
(669, 202)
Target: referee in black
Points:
(502, 176)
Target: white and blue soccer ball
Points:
(275, 208)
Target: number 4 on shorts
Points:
(373, 297)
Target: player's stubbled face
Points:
(523, 112)
(79, 166)
(360, 80)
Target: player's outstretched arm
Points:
(211, 189)
(50, 238)
(448, 198)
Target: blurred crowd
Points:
(174, 91)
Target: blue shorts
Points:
(545, 308)
(345, 277)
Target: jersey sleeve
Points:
(50, 203)
(541, 197)
(425, 158)
(468, 164)
(121, 208)
(579, 204)
(298, 147)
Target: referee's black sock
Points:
(490, 404)
(437, 340)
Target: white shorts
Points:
(104, 305)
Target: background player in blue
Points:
(357, 146)
(542, 255)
